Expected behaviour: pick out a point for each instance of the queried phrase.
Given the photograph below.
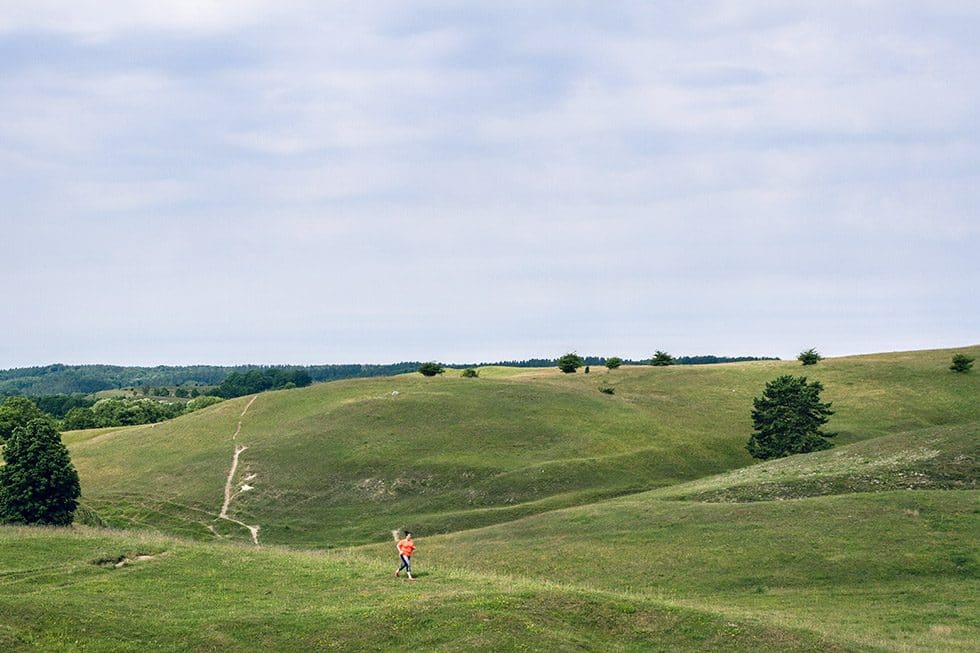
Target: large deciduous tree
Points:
(787, 419)
(38, 485)
(16, 412)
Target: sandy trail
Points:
(242, 416)
(230, 482)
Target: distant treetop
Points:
(430, 369)
(570, 362)
(809, 357)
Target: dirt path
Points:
(230, 482)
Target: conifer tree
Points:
(662, 359)
(787, 419)
(961, 363)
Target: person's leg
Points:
(406, 564)
(408, 567)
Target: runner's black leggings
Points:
(406, 563)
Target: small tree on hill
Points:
(469, 373)
(662, 358)
(38, 485)
(15, 413)
(787, 419)
(614, 362)
(79, 418)
(809, 357)
(570, 362)
(430, 369)
(961, 363)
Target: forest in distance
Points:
(60, 379)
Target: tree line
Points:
(58, 379)
(102, 413)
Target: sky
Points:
(198, 182)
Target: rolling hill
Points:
(345, 462)
(550, 515)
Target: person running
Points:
(405, 549)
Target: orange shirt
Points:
(405, 547)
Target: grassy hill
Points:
(177, 595)
(345, 462)
(551, 517)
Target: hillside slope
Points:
(345, 462)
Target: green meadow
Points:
(549, 516)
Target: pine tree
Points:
(662, 359)
(809, 357)
(787, 419)
(961, 363)
(38, 485)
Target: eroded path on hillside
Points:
(230, 492)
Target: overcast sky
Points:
(288, 182)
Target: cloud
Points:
(97, 20)
(479, 177)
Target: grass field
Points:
(551, 516)
(208, 597)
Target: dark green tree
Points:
(469, 373)
(79, 418)
(961, 363)
(57, 406)
(661, 358)
(16, 412)
(238, 384)
(430, 369)
(809, 357)
(614, 362)
(787, 419)
(570, 362)
(38, 485)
